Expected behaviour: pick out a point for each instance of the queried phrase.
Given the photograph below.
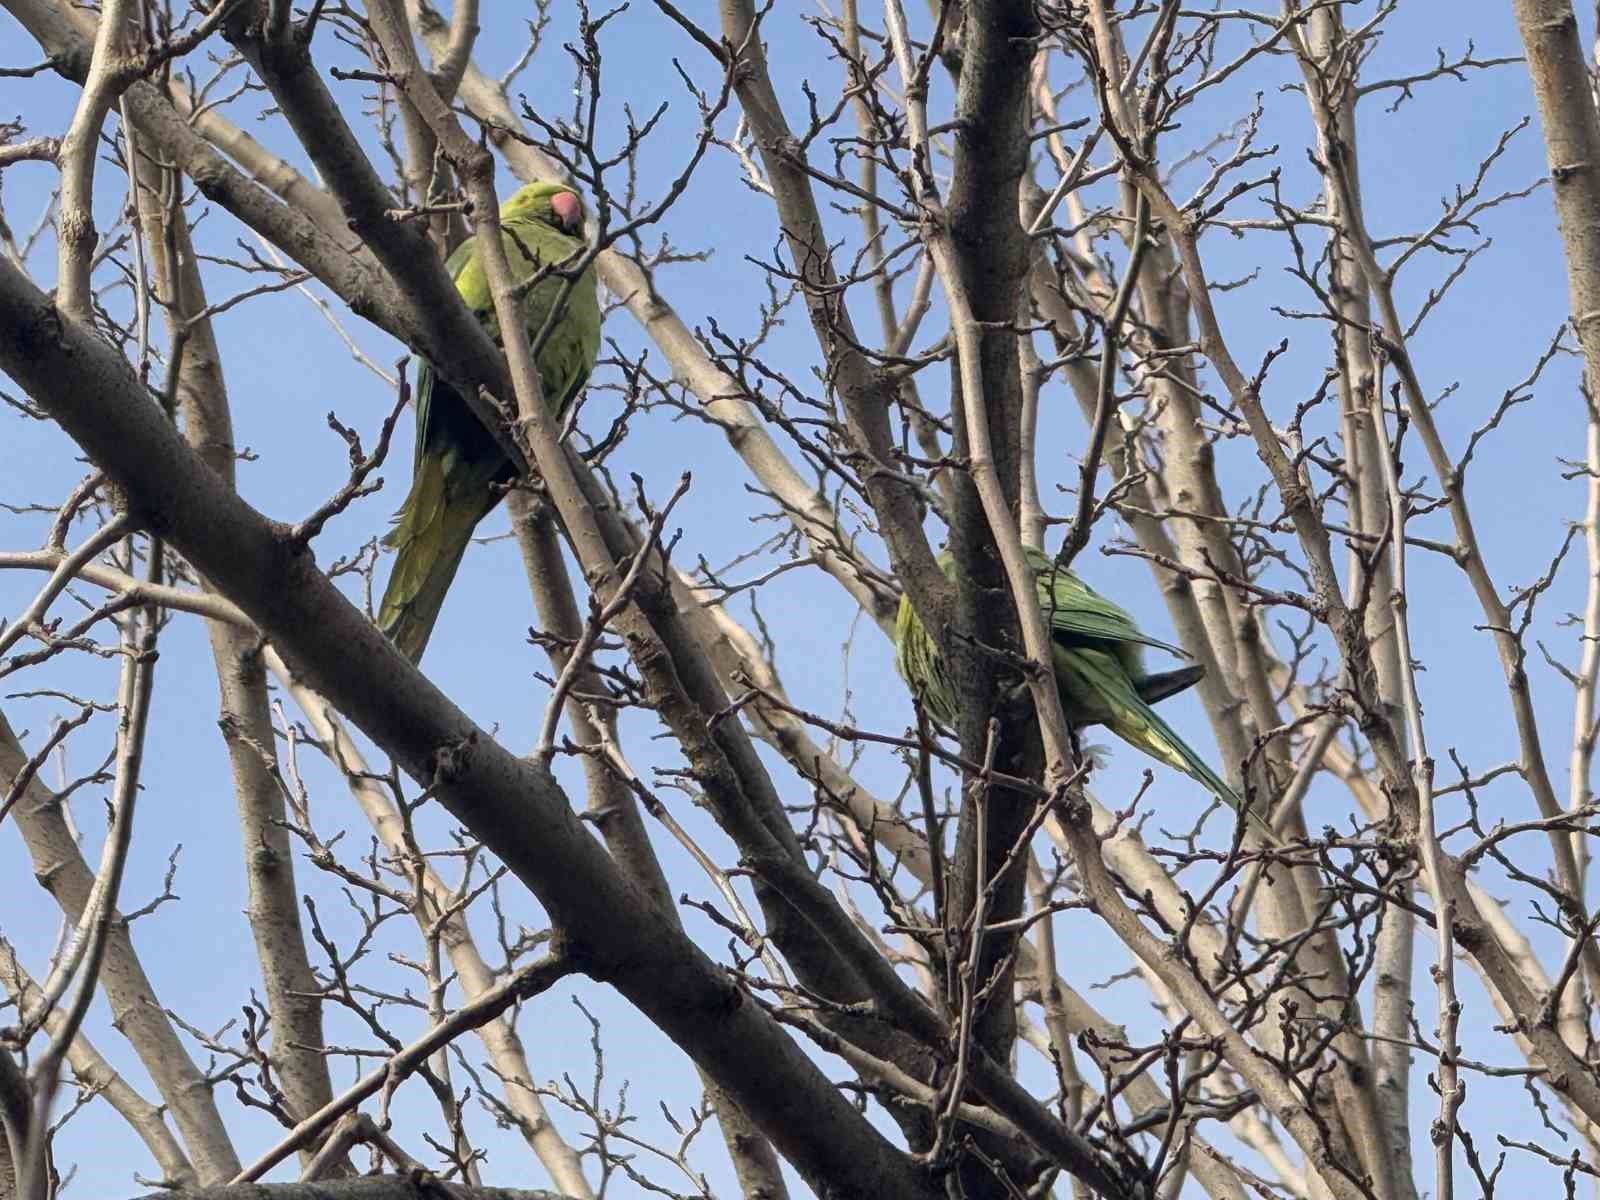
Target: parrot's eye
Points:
(568, 212)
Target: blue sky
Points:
(286, 367)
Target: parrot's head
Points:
(545, 200)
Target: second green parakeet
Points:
(1098, 659)
(461, 470)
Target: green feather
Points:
(432, 535)
(1100, 676)
(460, 470)
(1076, 610)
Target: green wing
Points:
(460, 469)
(1092, 680)
(1076, 611)
(1099, 673)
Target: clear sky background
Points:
(286, 367)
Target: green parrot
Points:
(460, 469)
(1099, 664)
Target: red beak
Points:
(569, 213)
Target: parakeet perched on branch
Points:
(461, 469)
(1099, 665)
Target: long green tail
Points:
(431, 533)
(1094, 679)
